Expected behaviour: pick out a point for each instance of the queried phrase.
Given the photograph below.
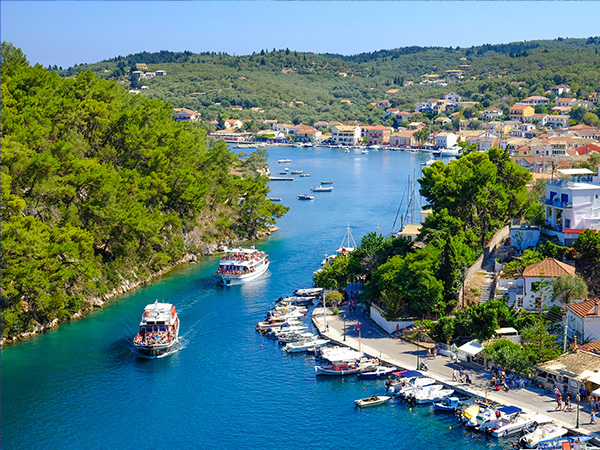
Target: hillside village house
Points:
(184, 115)
(403, 139)
(442, 121)
(572, 204)
(540, 119)
(594, 97)
(445, 140)
(416, 126)
(491, 113)
(535, 100)
(519, 111)
(560, 89)
(377, 135)
(345, 134)
(452, 97)
(232, 123)
(321, 124)
(537, 283)
(583, 321)
(141, 66)
(557, 121)
(308, 135)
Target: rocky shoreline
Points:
(129, 285)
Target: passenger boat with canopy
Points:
(240, 265)
(159, 330)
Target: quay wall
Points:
(465, 389)
(376, 314)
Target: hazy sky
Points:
(66, 32)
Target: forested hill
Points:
(99, 186)
(305, 87)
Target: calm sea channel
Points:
(81, 387)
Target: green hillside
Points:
(276, 80)
(100, 187)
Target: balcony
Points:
(556, 203)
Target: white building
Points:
(345, 134)
(572, 204)
(559, 121)
(583, 321)
(537, 284)
(445, 140)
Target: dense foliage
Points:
(298, 87)
(99, 186)
(470, 198)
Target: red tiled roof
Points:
(586, 308)
(549, 267)
(573, 230)
(519, 107)
(592, 347)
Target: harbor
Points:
(225, 385)
(341, 329)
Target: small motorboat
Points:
(274, 199)
(322, 189)
(284, 161)
(378, 372)
(305, 174)
(448, 404)
(304, 346)
(365, 152)
(547, 431)
(327, 182)
(429, 394)
(305, 197)
(372, 401)
(296, 172)
(573, 442)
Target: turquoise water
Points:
(226, 387)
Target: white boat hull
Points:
(230, 280)
(154, 351)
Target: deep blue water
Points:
(226, 387)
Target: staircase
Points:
(488, 288)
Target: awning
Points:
(408, 373)
(470, 348)
(588, 375)
(596, 392)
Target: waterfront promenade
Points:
(392, 350)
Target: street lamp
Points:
(418, 345)
(578, 399)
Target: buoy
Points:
(260, 345)
(450, 428)
(363, 388)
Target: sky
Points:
(65, 33)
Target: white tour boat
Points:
(240, 265)
(159, 330)
(322, 189)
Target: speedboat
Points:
(322, 189)
(344, 361)
(309, 292)
(274, 199)
(327, 182)
(511, 420)
(364, 152)
(404, 388)
(159, 330)
(284, 161)
(541, 433)
(448, 404)
(304, 346)
(378, 372)
(305, 174)
(305, 197)
(296, 300)
(430, 394)
(240, 265)
(276, 323)
(475, 416)
(296, 172)
(372, 401)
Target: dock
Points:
(340, 329)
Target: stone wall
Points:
(376, 314)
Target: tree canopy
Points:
(99, 186)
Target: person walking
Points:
(593, 418)
(558, 402)
(454, 375)
(568, 406)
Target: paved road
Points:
(376, 342)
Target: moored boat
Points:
(305, 197)
(372, 401)
(159, 330)
(284, 161)
(547, 431)
(327, 182)
(378, 372)
(450, 404)
(322, 189)
(574, 443)
(240, 265)
(296, 172)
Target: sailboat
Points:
(347, 246)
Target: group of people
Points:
(243, 256)
(154, 338)
(499, 379)
(432, 352)
(461, 376)
(233, 270)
